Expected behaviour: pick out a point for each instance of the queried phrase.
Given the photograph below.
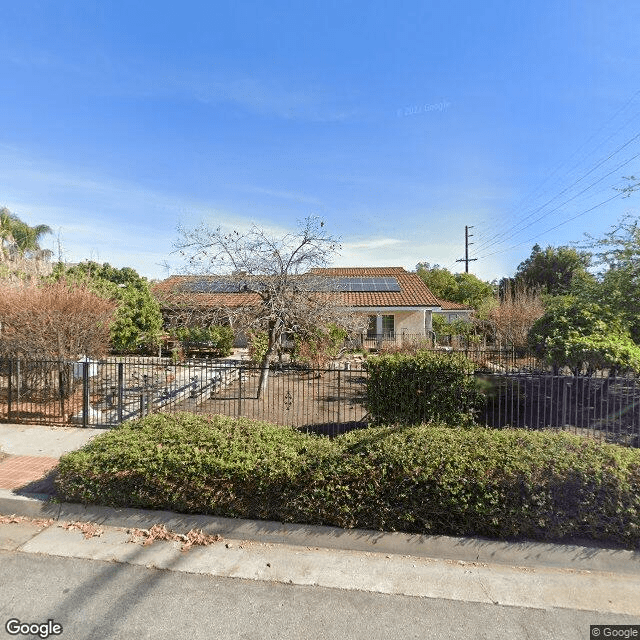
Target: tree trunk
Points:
(264, 367)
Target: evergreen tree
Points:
(137, 320)
(554, 270)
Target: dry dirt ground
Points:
(330, 403)
(317, 402)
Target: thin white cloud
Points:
(98, 218)
(281, 194)
(268, 96)
(264, 95)
(370, 245)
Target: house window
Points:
(388, 326)
(372, 327)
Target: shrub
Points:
(425, 479)
(319, 346)
(512, 318)
(410, 389)
(464, 330)
(218, 338)
(409, 346)
(137, 321)
(258, 346)
(574, 334)
(53, 321)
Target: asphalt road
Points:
(107, 600)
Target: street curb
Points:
(518, 554)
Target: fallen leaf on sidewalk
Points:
(160, 532)
(90, 529)
(12, 519)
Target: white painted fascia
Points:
(386, 309)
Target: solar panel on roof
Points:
(366, 284)
(214, 286)
(351, 284)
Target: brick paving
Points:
(18, 471)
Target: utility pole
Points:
(466, 258)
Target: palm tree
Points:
(17, 236)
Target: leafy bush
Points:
(440, 325)
(427, 479)
(411, 389)
(466, 329)
(319, 346)
(258, 346)
(575, 334)
(217, 338)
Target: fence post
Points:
(120, 390)
(85, 393)
(240, 391)
(10, 390)
(18, 381)
(338, 396)
(61, 388)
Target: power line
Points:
(614, 170)
(514, 229)
(487, 240)
(617, 195)
(483, 236)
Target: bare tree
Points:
(273, 273)
(47, 327)
(53, 322)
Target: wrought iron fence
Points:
(516, 390)
(496, 358)
(602, 406)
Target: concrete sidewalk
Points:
(538, 574)
(313, 564)
(33, 450)
(43, 440)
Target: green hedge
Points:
(429, 479)
(427, 386)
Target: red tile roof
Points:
(172, 290)
(413, 291)
(447, 305)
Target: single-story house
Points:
(397, 303)
(454, 311)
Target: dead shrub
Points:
(58, 321)
(514, 315)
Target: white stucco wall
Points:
(410, 322)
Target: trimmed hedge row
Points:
(422, 479)
(422, 387)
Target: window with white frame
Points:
(388, 326)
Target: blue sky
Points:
(398, 124)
